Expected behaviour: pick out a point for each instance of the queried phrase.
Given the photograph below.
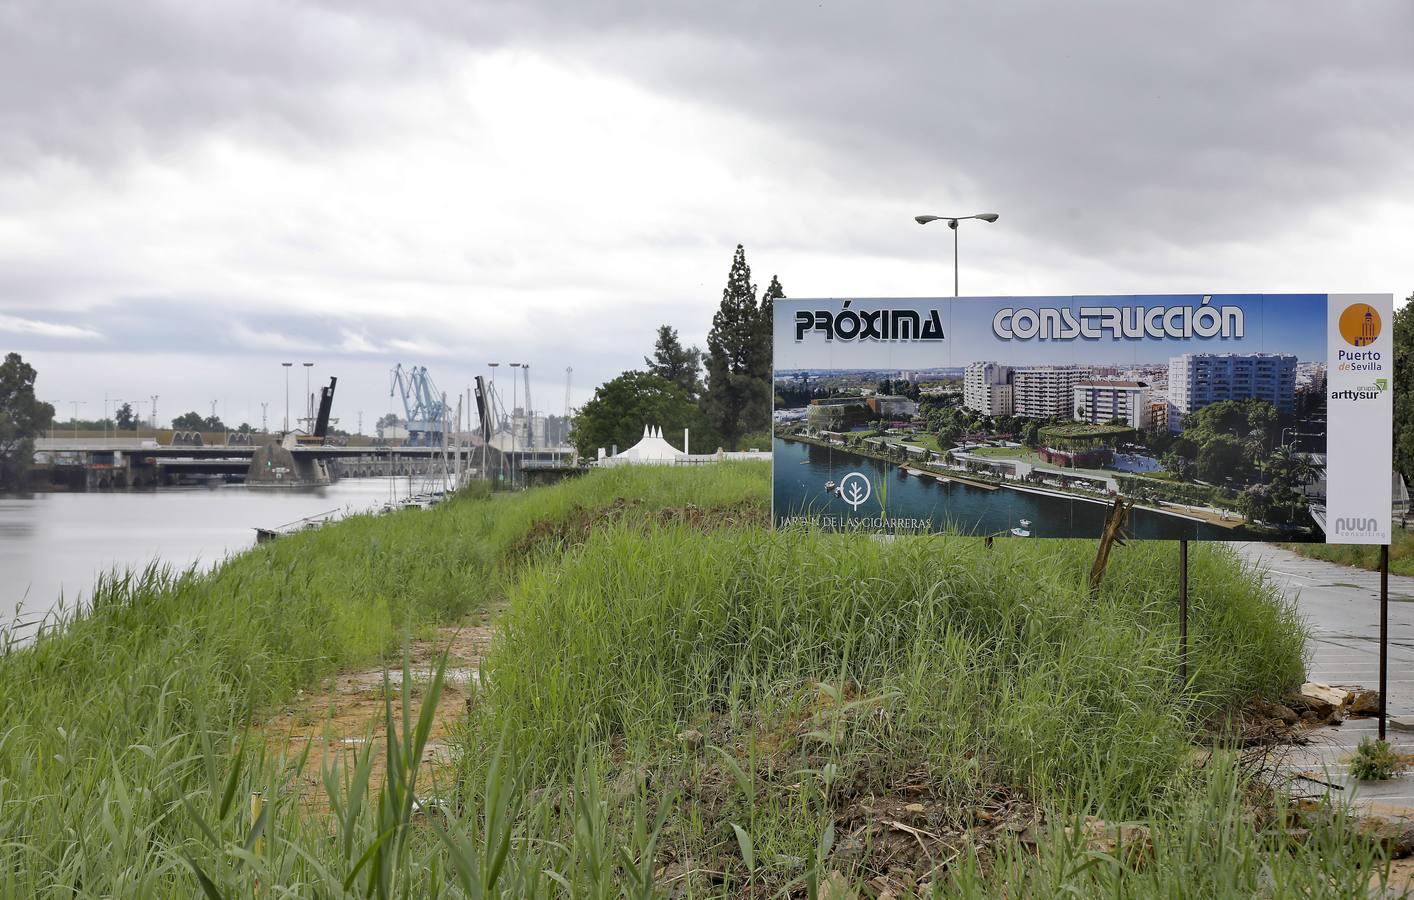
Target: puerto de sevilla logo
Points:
(855, 489)
(1359, 324)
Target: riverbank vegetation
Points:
(677, 699)
(22, 419)
(1365, 556)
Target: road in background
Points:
(1341, 606)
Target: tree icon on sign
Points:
(855, 489)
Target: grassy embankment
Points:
(676, 695)
(1365, 556)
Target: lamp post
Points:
(952, 223)
(287, 365)
(75, 420)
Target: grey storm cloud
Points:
(1131, 144)
(1109, 124)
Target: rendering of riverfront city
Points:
(1218, 436)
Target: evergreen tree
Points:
(738, 398)
(673, 362)
(126, 418)
(22, 419)
(762, 358)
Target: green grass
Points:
(926, 441)
(823, 674)
(106, 723)
(1364, 556)
(760, 440)
(1082, 430)
(1160, 475)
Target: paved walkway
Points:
(1341, 606)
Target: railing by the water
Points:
(269, 534)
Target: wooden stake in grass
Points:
(1111, 535)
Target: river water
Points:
(54, 545)
(801, 471)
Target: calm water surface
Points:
(802, 470)
(57, 544)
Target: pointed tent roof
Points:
(651, 447)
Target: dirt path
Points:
(347, 712)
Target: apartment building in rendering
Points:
(1040, 392)
(986, 388)
(1199, 379)
(1101, 402)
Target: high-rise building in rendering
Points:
(986, 388)
(1041, 392)
(1198, 379)
(1101, 402)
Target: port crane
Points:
(423, 404)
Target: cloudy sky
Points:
(192, 192)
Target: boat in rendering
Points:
(1022, 530)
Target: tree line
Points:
(721, 395)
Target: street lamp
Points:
(952, 223)
(287, 396)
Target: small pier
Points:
(950, 477)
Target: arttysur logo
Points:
(855, 489)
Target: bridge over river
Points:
(100, 463)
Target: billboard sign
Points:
(1219, 416)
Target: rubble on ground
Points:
(1320, 703)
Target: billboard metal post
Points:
(1183, 611)
(1384, 632)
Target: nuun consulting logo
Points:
(1357, 527)
(855, 489)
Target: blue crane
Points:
(426, 411)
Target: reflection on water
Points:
(801, 471)
(53, 544)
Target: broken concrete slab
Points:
(1320, 698)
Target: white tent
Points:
(650, 449)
